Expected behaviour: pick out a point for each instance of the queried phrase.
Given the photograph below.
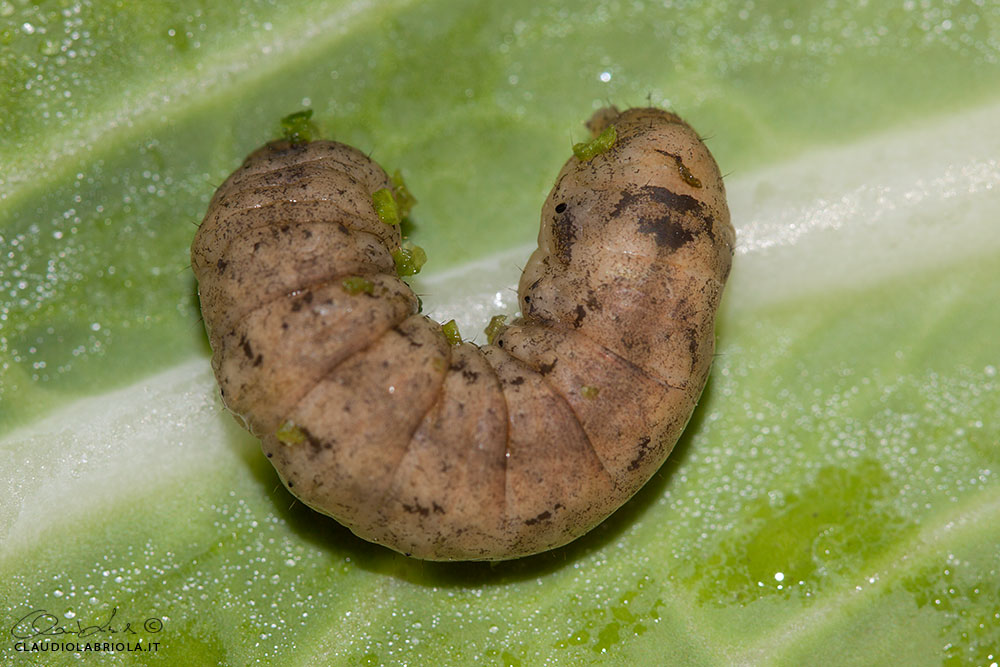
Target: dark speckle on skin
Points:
(541, 517)
(247, 350)
(564, 236)
(416, 508)
(222, 265)
(693, 341)
(409, 337)
(303, 300)
(643, 447)
(517, 381)
(315, 444)
(545, 369)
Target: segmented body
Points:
(443, 451)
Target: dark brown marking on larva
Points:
(667, 221)
(693, 341)
(642, 449)
(314, 443)
(456, 452)
(564, 235)
(541, 517)
(409, 338)
(415, 508)
(667, 231)
(675, 202)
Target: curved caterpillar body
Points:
(456, 452)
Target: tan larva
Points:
(384, 420)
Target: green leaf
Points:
(836, 491)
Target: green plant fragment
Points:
(587, 151)
(357, 285)
(409, 259)
(290, 434)
(495, 327)
(404, 198)
(450, 331)
(385, 206)
(297, 127)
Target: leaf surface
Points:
(836, 491)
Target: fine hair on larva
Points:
(387, 421)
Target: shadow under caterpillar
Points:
(371, 414)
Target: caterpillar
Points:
(383, 419)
